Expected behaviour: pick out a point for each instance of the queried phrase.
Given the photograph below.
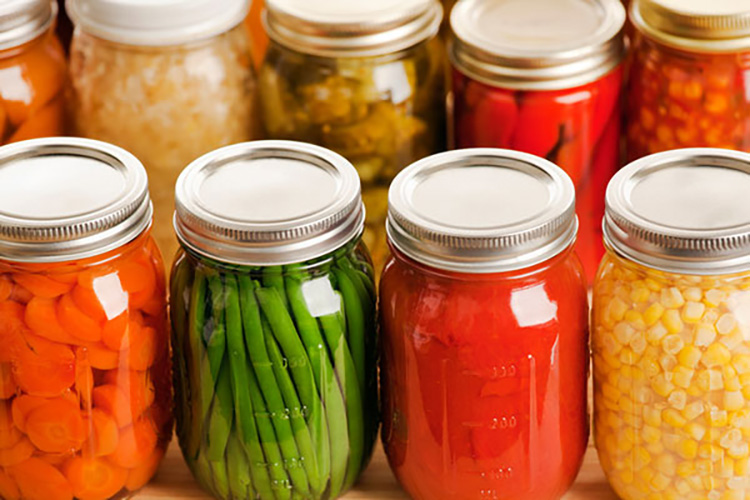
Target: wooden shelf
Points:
(174, 482)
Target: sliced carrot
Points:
(8, 387)
(103, 434)
(88, 302)
(101, 357)
(39, 480)
(22, 406)
(43, 368)
(55, 459)
(8, 488)
(9, 433)
(49, 121)
(76, 323)
(116, 332)
(57, 426)
(93, 478)
(84, 381)
(17, 453)
(11, 318)
(137, 385)
(137, 442)
(155, 306)
(143, 348)
(114, 401)
(21, 294)
(142, 474)
(41, 317)
(41, 286)
(139, 280)
(6, 287)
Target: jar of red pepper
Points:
(690, 76)
(544, 77)
(484, 314)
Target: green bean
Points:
(347, 376)
(277, 468)
(220, 420)
(221, 480)
(217, 341)
(180, 305)
(201, 468)
(330, 393)
(273, 277)
(296, 413)
(238, 468)
(243, 409)
(201, 388)
(355, 319)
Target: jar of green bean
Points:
(273, 315)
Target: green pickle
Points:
(275, 373)
(381, 113)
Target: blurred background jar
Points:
(544, 77)
(273, 313)
(32, 71)
(166, 80)
(258, 37)
(690, 77)
(85, 381)
(365, 79)
(484, 325)
(671, 328)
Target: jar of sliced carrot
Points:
(32, 72)
(273, 316)
(85, 397)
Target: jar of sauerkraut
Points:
(671, 328)
(167, 80)
(365, 79)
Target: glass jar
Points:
(32, 72)
(365, 79)
(544, 77)
(273, 315)
(85, 392)
(689, 84)
(159, 80)
(671, 322)
(484, 312)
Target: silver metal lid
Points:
(157, 22)
(482, 211)
(697, 25)
(537, 44)
(24, 20)
(684, 211)
(346, 28)
(268, 203)
(64, 199)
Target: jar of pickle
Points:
(484, 324)
(690, 76)
(671, 324)
(167, 80)
(32, 72)
(365, 79)
(85, 383)
(544, 77)
(273, 316)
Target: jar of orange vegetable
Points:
(85, 386)
(544, 77)
(167, 80)
(690, 76)
(32, 71)
(484, 324)
(671, 328)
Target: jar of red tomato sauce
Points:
(484, 329)
(544, 77)
(85, 398)
(690, 76)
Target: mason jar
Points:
(32, 72)
(167, 80)
(273, 316)
(484, 324)
(546, 78)
(85, 392)
(690, 77)
(364, 79)
(671, 328)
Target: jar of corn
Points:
(671, 328)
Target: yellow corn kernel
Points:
(741, 363)
(626, 405)
(653, 313)
(693, 293)
(692, 312)
(649, 366)
(730, 438)
(682, 377)
(713, 434)
(624, 445)
(739, 450)
(683, 487)
(714, 297)
(694, 391)
(656, 333)
(666, 464)
(705, 334)
(733, 400)
(695, 484)
(731, 382)
(710, 452)
(688, 449)
(742, 466)
(616, 309)
(660, 482)
(678, 399)
(628, 357)
(623, 332)
(643, 395)
(726, 323)
(611, 392)
(736, 494)
(662, 386)
(641, 458)
(703, 466)
(672, 417)
(656, 448)
(686, 469)
(672, 321)
(716, 355)
(726, 468)
(638, 343)
(709, 484)
(646, 474)
(689, 356)
(693, 410)
(741, 420)
(671, 441)
(640, 294)
(668, 362)
(635, 319)
(733, 340)
(672, 298)
(711, 316)
(710, 380)
(652, 416)
(626, 476)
